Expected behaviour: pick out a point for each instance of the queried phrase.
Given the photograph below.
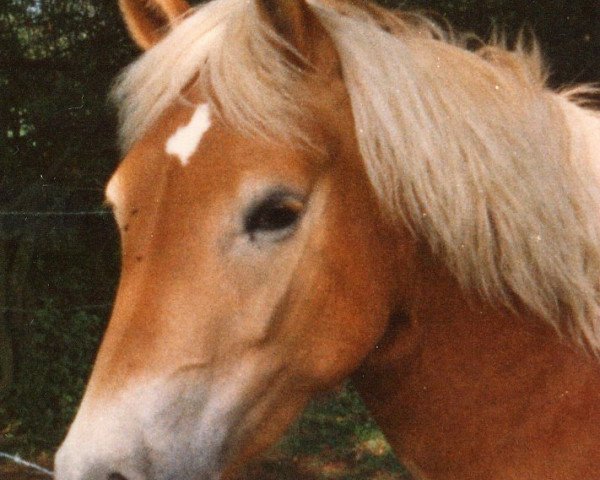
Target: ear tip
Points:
(283, 9)
(149, 20)
(295, 22)
(290, 18)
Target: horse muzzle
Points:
(148, 434)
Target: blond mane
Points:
(468, 149)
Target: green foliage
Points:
(338, 431)
(568, 31)
(335, 421)
(52, 373)
(57, 148)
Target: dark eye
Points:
(276, 213)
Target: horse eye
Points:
(275, 214)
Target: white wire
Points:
(19, 461)
(85, 213)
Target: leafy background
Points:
(58, 247)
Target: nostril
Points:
(115, 476)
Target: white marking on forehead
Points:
(184, 142)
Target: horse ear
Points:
(149, 20)
(298, 26)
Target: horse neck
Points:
(463, 390)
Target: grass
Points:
(335, 438)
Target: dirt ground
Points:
(15, 472)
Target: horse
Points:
(316, 190)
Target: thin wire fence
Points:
(14, 223)
(19, 461)
(34, 213)
(20, 218)
(46, 222)
(76, 308)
